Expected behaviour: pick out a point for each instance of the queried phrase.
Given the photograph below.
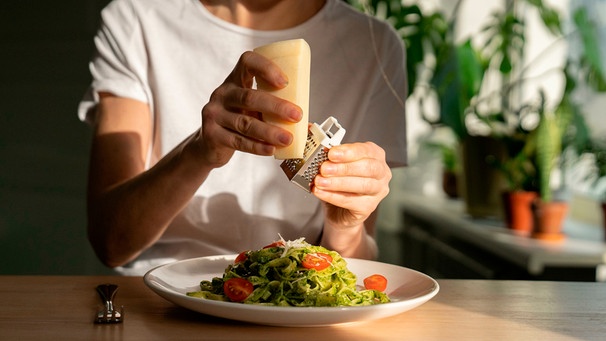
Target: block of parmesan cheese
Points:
(294, 58)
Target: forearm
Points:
(126, 218)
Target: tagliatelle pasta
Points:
(289, 273)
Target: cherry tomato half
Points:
(375, 282)
(318, 261)
(279, 243)
(237, 289)
(241, 257)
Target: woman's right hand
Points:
(129, 206)
(232, 118)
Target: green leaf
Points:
(549, 134)
(446, 82)
(549, 16)
(592, 59)
(505, 66)
(471, 70)
(457, 79)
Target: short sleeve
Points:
(119, 64)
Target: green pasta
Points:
(281, 276)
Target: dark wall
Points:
(44, 51)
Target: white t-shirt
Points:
(173, 53)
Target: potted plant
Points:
(565, 128)
(455, 74)
(510, 146)
(520, 174)
(546, 139)
(524, 161)
(459, 79)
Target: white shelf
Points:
(583, 247)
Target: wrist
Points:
(192, 160)
(195, 149)
(353, 242)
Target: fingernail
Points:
(296, 115)
(282, 81)
(285, 139)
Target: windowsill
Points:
(583, 247)
(577, 225)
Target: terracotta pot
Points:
(449, 184)
(518, 211)
(548, 220)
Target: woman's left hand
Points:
(352, 183)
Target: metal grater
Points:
(320, 138)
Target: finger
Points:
(371, 168)
(251, 100)
(262, 68)
(339, 199)
(267, 72)
(222, 136)
(355, 206)
(237, 131)
(353, 185)
(356, 151)
(246, 130)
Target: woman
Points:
(181, 162)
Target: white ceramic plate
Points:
(406, 288)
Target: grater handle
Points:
(333, 130)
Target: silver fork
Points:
(109, 314)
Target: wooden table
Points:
(63, 308)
